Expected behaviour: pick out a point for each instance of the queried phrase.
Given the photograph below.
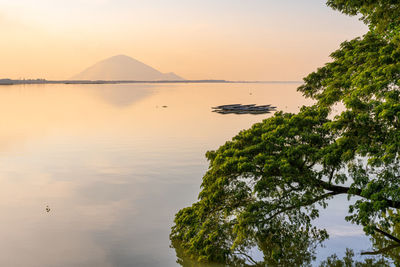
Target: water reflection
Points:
(113, 166)
(126, 94)
(185, 261)
(272, 249)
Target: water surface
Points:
(114, 166)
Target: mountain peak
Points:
(122, 67)
(122, 57)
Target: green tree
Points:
(266, 186)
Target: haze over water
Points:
(114, 167)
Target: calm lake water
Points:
(114, 166)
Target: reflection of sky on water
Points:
(114, 177)
(342, 234)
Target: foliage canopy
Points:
(265, 187)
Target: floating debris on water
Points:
(243, 109)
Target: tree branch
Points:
(331, 175)
(306, 203)
(381, 251)
(353, 191)
(395, 239)
(247, 256)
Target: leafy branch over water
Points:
(265, 187)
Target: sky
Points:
(196, 39)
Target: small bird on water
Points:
(47, 208)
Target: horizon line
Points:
(7, 81)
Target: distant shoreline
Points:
(42, 81)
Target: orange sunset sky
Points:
(196, 39)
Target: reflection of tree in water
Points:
(387, 247)
(282, 245)
(297, 255)
(289, 246)
(185, 260)
(348, 261)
